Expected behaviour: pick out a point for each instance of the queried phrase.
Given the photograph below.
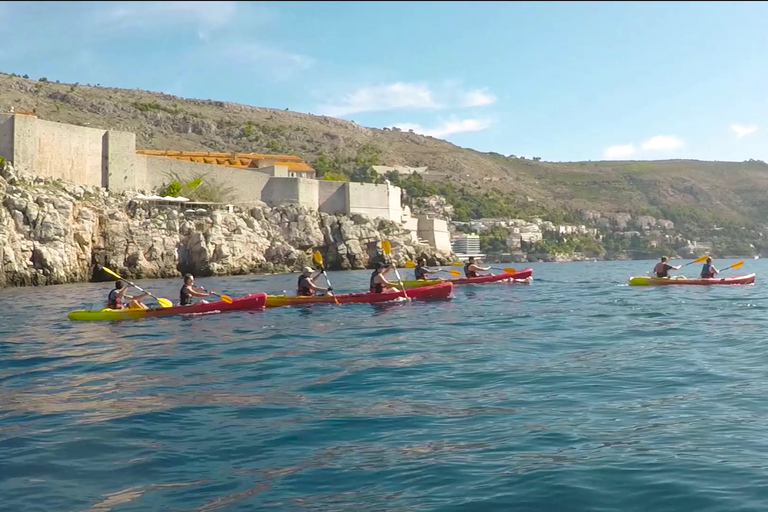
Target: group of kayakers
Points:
(305, 286)
(662, 268)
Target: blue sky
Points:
(560, 80)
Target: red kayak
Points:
(437, 291)
(680, 280)
(249, 302)
(521, 275)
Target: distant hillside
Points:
(691, 193)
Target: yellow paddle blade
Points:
(457, 264)
(510, 270)
(165, 303)
(455, 273)
(737, 264)
(318, 258)
(226, 298)
(110, 272)
(701, 259)
(386, 247)
(410, 264)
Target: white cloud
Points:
(205, 17)
(663, 143)
(619, 152)
(449, 127)
(279, 64)
(406, 96)
(395, 96)
(742, 131)
(478, 98)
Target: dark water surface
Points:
(574, 393)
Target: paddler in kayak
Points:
(379, 283)
(662, 268)
(421, 269)
(117, 299)
(306, 286)
(471, 268)
(188, 291)
(708, 270)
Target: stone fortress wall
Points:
(109, 159)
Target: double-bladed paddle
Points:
(319, 260)
(224, 298)
(164, 303)
(387, 247)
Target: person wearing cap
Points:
(379, 283)
(306, 286)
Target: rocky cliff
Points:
(53, 232)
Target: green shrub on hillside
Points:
(199, 188)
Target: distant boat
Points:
(757, 257)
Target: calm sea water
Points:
(573, 393)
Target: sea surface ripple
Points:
(573, 393)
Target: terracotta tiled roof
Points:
(240, 160)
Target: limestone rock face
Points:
(53, 232)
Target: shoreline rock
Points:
(54, 232)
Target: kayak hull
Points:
(437, 291)
(249, 302)
(656, 281)
(503, 277)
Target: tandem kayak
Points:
(437, 291)
(521, 275)
(660, 281)
(249, 302)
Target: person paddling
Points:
(662, 268)
(471, 268)
(421, 269)
(188, 291)
(306, 286)
(117, 299)
(379, 283)
(708, 270)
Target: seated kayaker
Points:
(117, 299)
(379, 283)
(306, 286)
(708, 270)
(471, 268)
(662, 268)
(188, 291)
(421, 269)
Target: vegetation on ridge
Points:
(723, 202)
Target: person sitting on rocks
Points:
(117, 299)
(188, 291)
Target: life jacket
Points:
(660, 269)
(706, 271)
(114, 301)
(375, 287)
(467, 272)
(420, 272)
(303, 289)
(185, 299)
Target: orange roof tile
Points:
(240, 160)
